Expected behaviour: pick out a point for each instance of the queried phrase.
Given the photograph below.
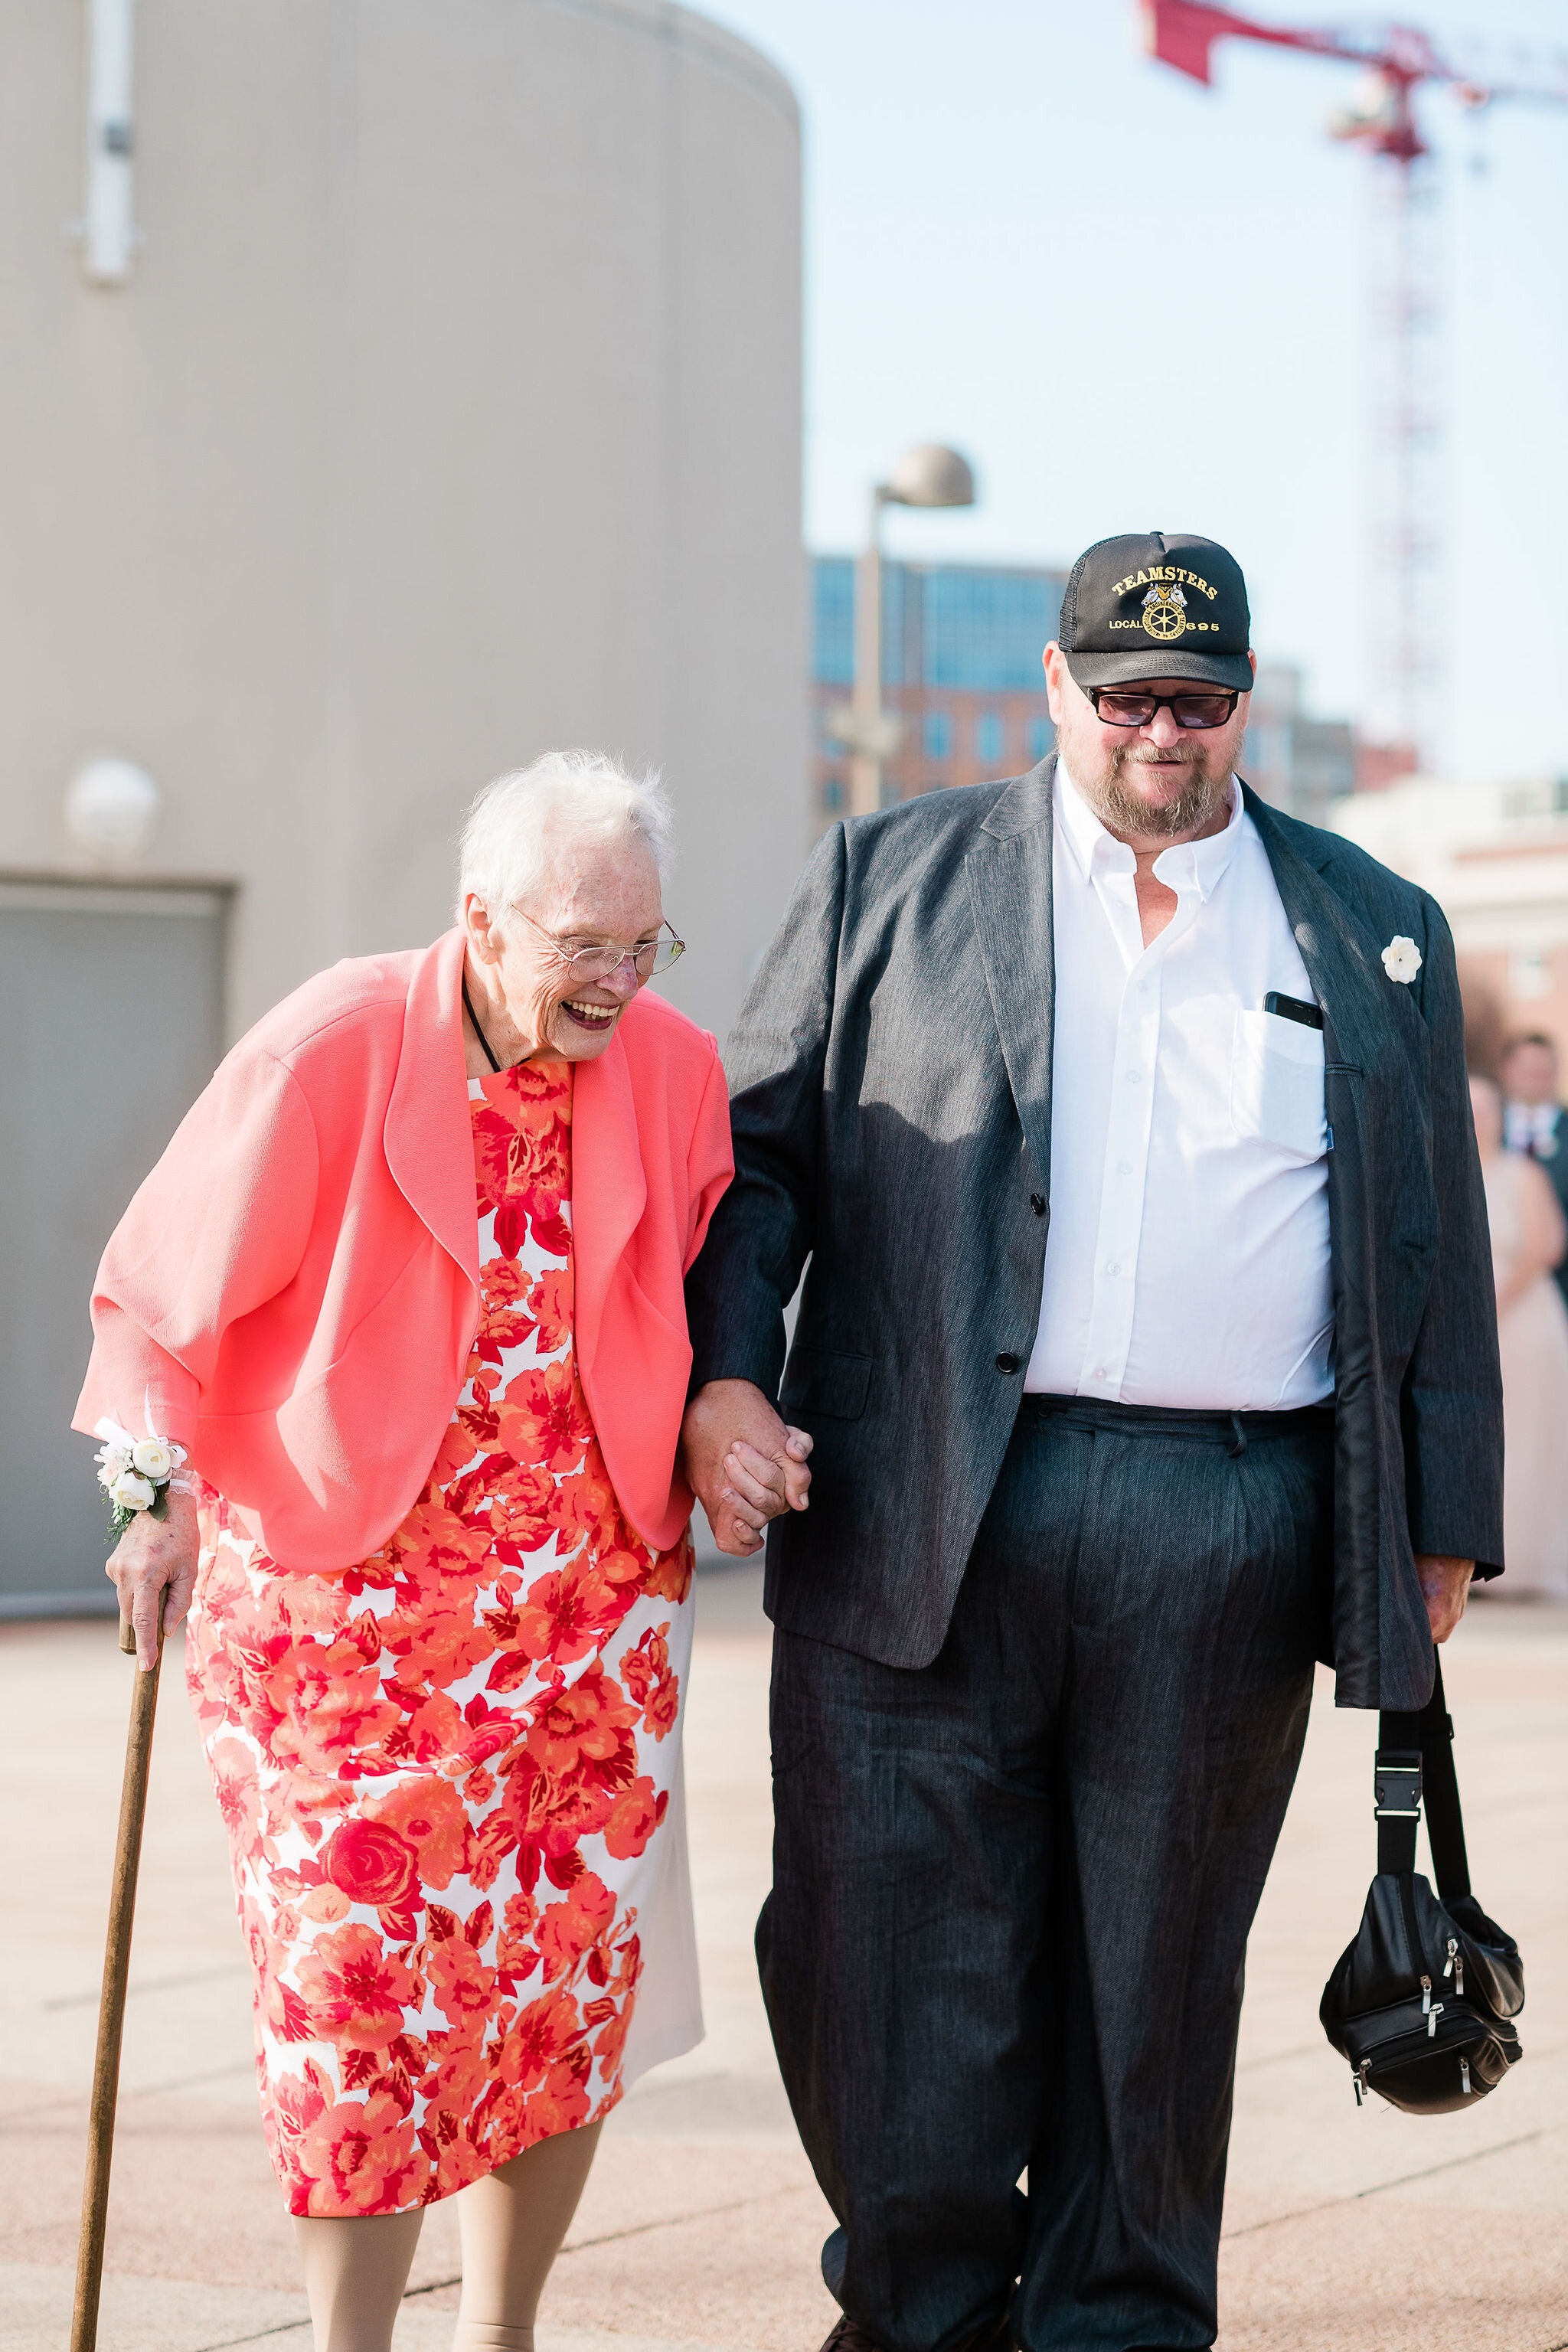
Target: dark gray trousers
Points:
(1012, 1890)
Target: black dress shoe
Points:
(849, 2337)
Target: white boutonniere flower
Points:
(1402, 960)
(137, 1472)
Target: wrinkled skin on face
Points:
(1150, 784)
(593, 892)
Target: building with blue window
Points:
(1298, 763)
(961, 670)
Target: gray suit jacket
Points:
(890, 1077)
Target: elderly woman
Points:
(406, 1288)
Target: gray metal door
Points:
(111, 1024)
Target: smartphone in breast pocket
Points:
(1277, 1077)
(1294, 1008)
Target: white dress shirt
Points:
(1532, 1127)
(1188, 1262)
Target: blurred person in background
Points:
(406, 1288)
(1528, 1237)
(1147, 1339)
(1534, 1121)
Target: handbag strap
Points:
(1416, 1752)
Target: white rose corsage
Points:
(137, 1472)
(1402, 960)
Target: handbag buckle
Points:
(1396, 1788)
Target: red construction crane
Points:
(1395, 63)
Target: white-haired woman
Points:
(404, 1300)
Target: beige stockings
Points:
(511, 2223)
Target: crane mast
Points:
(1403, 420)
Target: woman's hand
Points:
(745, 1464)
(152, 1558)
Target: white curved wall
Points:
(452, 411)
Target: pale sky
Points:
(1138, 304)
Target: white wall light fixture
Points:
(112, 809)
(109, 234)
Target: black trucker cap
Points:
(1156, 604)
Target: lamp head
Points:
(929, 476)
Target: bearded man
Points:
(1146, 1349)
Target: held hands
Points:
(153, 1556)
(744, 1463)
(1444, 1588)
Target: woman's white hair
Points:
(517, 824)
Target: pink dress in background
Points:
(451, 1774)
(1532, 1337)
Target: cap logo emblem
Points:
(1165, 612)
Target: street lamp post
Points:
(929, 476)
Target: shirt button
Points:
(1115, 1267)
(1006, 1363)
(1101, 1373)
(1124, 1168)
(1134, 1078)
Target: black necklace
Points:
(468, 1009)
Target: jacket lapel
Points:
(1368, 1019)
(609, 1190)
(1383, 1226)
(1009, 874)
(427, 1134)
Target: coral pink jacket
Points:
(293, 1292)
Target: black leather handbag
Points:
(1423, 2002)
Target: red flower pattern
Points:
(440, 1771)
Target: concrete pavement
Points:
(701, 2224)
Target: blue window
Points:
(977, 627)
(990, 737)
(1042, 740)
(832, 580)
(984, 629)
(833, 794)
(938, 735)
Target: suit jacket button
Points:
(1006, 1363)
(1037, 1203)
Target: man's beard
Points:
(1205, 791)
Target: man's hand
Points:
(152, 1558)
(1444, 1588)
(744, 1463)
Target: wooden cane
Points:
(111, 2003)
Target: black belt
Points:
(1235, 1430)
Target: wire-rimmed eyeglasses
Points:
(588, 965)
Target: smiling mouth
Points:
(593, 1017)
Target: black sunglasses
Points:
(1118, 705)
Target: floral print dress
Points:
(451, 1774)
